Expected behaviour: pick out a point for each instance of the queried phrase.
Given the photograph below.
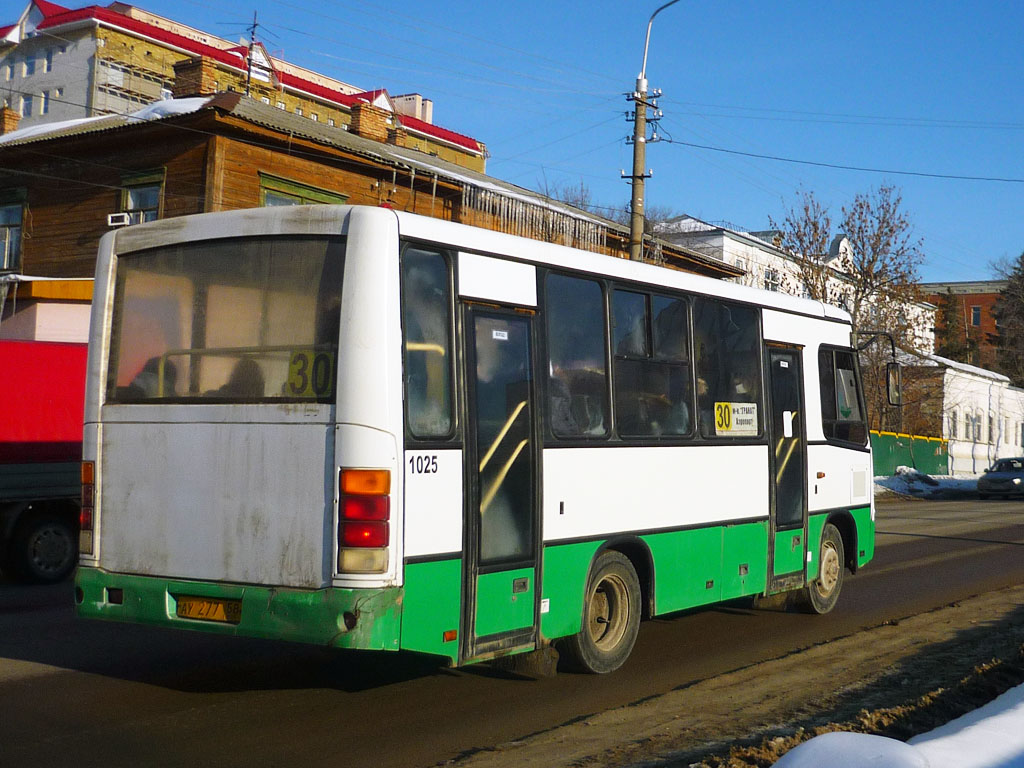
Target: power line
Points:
(840, 167)
(838, 116)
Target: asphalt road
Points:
(95, 694)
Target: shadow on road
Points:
(38, 625)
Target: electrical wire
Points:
(838, 166)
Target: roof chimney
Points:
(8, 120)
(196, 76)
(370, 122)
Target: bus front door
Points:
(788, 545)
(502, 536)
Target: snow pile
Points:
(912, 482)
(989, 737)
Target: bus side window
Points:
(652, 365)
(577, 386)
(426, 321)
(728, 351)
(841, 415)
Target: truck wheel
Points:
(821, 595)
(611, 617)
(44, 549)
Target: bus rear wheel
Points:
(821, 595)
(611, 617)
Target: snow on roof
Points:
(155, 111)
(945, 362)
(56, 16)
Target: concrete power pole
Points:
(639, 96)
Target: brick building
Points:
(975, 300)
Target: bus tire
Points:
(44, 549)
(611, 617)
(821, 595)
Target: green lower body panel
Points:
(342, 618)
(789, 551)
(504, 601)
(704, 565)
(857, 522)
(566, 569)
(865, 524)
(432, 607)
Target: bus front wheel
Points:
(821, 595)
(611, 617)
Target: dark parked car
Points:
(1004, 478)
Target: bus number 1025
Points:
(423, 465)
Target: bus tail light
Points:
(87, 512)
(364, 512)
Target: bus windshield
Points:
(239, 321)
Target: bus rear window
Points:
(243, 321)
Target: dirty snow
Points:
(911, 482)
(989, 737)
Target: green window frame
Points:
(275, 190)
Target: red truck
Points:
(42, 393)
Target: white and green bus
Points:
(361, 428)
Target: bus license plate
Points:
(209, 609)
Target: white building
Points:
(982, 415)
(768, 266)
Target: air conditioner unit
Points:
(118, 219)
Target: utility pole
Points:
(639, 97)
(248, 58)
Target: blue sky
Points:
(930, 87)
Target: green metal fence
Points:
(927, 454)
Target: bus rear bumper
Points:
(342, 618)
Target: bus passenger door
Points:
(502, 530)
(788, 538)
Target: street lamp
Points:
(636, 208)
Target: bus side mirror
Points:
(894, 384)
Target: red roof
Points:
(56, 16)
(49, 9)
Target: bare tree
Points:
(576, 195)
(805, 234)
(873, 276)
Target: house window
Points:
(10, 70)
(58, 92)
(298, 111)
(48, 62)
(265, 99)
(954, 419)
(26, 106)
(330, 121)
(772, 280)
(991, 429)
(29, 66)
(976, 315)
(280, 105)
(314, 117)
(277, 191)
(44, 108)
(141, 195)
(10, 236)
